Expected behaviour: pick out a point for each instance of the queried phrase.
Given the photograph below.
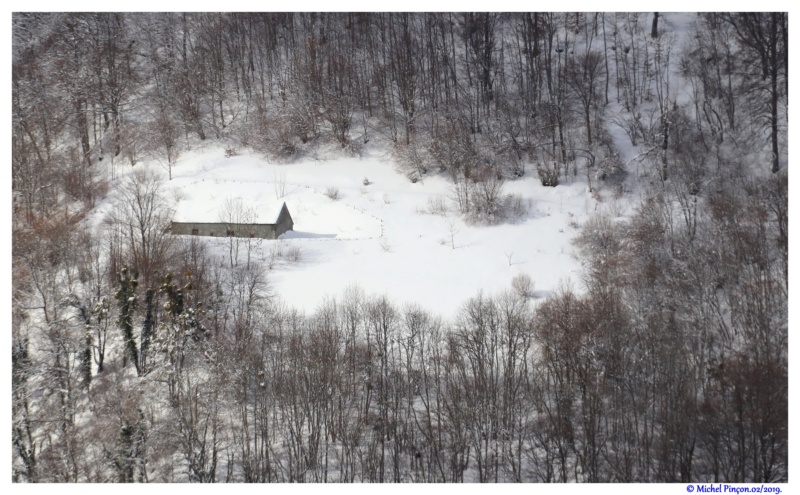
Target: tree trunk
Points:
(654, 30)
(773, 52)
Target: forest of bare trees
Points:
(138, 356)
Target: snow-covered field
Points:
(383, 236)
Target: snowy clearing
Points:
(388, 237)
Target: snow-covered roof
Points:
(213, 202)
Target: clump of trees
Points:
(140, 357)
(450, 92)
(670, 365)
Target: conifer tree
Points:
(147, 329)
(126, 300)
(128, 460)
(86, 357)
(22, 437)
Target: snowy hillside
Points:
(526, 247)
(389, 237)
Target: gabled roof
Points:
(280, 212)
(250, 205)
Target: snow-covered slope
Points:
(383, 236)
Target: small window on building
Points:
(231, 233)
(195, 232)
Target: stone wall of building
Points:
(284, 223)
(263, 231)
(217, 229)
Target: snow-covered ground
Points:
(383, 236)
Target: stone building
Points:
(281, 222)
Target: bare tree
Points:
(762, 37)
(141, 218)
(236, 214)
(583, 75)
